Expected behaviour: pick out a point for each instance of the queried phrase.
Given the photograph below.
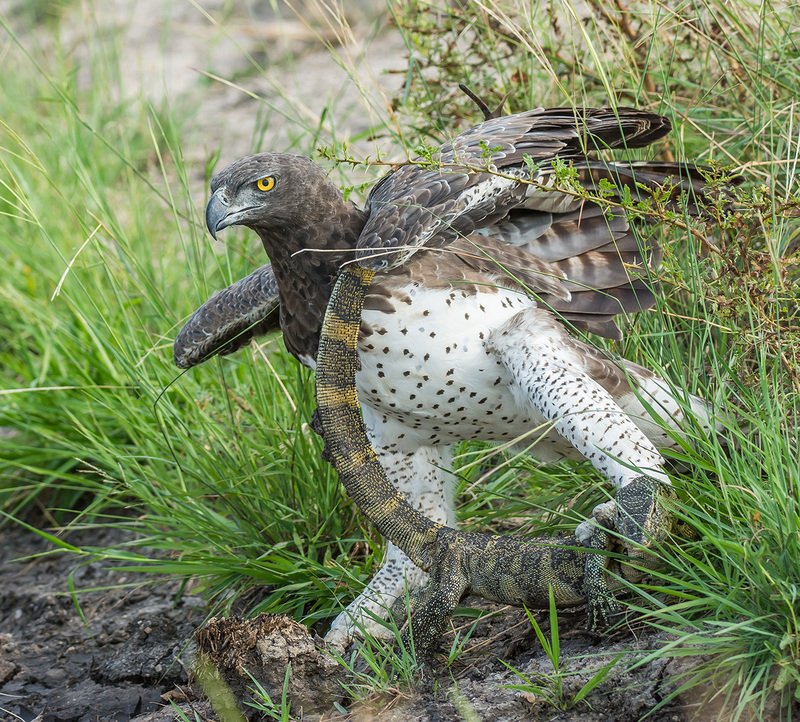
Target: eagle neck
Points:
(306, 261)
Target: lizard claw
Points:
(601, 611)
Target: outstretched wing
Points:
(579, 259)
(420, 205)
(229, 319)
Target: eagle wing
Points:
(229, 319)
(431, 204)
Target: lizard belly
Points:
(428, 376)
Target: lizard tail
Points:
(345, 436)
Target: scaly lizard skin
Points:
(507, 569)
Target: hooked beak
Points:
(219, 213)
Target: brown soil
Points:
(53, 667)
(130, 660)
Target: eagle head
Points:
(269, 192)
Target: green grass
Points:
(105, 255)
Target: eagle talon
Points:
(603, 515)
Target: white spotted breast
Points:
(425, 364)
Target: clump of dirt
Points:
(245, 652)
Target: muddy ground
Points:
(131, 659)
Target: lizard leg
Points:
(447, 586)
(421, 474)
(601, 604)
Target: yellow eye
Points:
(266, 184)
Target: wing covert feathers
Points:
(430, 205)
(229, 319)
